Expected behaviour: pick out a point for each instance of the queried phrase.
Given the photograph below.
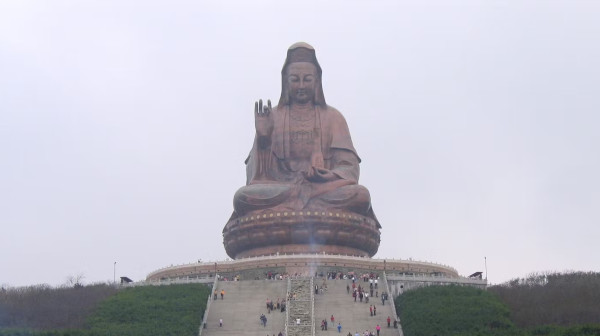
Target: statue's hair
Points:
(301, 52)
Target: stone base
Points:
(310, 231)
(302, 264)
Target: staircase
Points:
(243, 303)
(353, 316)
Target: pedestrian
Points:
(222, 293)
(322, 325)
(374, 310)
(215, 296)
(220, 323)
(332, 319)
(371, 309)
(325, 324)
(339, 327)
(378, 328)
(280, 334)
(388, 321)
(348, 290)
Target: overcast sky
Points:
(124, 126)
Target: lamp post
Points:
(485, 259)
(115, 273)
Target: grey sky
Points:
(124, 126)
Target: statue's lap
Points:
(257, 197)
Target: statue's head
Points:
(301, 76)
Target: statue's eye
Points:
(294, 78)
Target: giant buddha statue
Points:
(302, 193)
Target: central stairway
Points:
(245, 301)
(300, 320)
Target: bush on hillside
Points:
(152, 310)
(45, 307)
(453, 310)
(562, 299)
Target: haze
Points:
(124, 126)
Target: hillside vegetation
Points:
(551, 304)
(452, 310)
(149, 310)
(45, 307)
(562, 299)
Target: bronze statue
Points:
(302, 164)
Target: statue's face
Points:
(302, 82)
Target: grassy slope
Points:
(546, 304)
(562, 299)
(452, 310)
(151, 310)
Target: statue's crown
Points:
(301, 52)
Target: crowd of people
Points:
(279, 305)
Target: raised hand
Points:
(263, 120)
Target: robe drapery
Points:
(282, 185)
(336, 147)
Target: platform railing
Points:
(210, 299)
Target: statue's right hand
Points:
(263, 120)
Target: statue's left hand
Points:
(320, 175)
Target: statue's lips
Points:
(301, 93)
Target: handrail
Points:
(391, 298)
(287, 304)
(312, 302)
(436, 278)
(210, 299)
(293, 255)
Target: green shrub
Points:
(453, 310)
(150, 310)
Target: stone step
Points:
(353, 316)
(242, 306)
(245, 301)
